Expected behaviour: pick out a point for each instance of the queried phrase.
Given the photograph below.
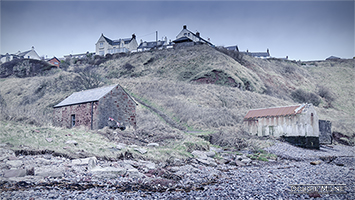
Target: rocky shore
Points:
(216, 174)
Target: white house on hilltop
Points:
(105, 45)
(30, 54)
(187, 37)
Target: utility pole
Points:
(156, 39)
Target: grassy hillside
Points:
(201, 89)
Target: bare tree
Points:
(89, 77)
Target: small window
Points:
(72, 120)
(101, 44)
(312, 118)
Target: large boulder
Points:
(46, 171)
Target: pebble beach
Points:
(203, 177)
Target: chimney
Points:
(197, 34)
(184, 27)
(268, 52)
(133, 36)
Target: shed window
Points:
(72, 120)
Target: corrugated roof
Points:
(278, 111)
(86, 96)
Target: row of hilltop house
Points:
(29, 54)
(186, 37)
(106, 46)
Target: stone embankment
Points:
(215, 174)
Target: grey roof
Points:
(232, 48)
(86, 96)
(200, 38)
(257, 54)
(151, 45)
(117, 42)
(332, 58)
(24, 53)
(182, 39)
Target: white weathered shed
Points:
(297, 124)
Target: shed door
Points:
(72, 120)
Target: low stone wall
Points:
(325, 132)
(305, 142)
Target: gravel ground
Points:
(288, 151)
(263, 180)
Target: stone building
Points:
(105, 45)
(296, 124)
(96, 108)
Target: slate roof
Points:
(232, 48)
(23, 53)
(332, 58)
(150, 45)
(257, 54)
(86, 96)
(117, 42)
(182, 39)
(277, 111)
(200, 38)
(54, 58)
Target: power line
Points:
(148, 34)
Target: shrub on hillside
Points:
(289, 69)
(24, 68)
(236, 55)
(89, 77)
(302, 96)
(325, 93)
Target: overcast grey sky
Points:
(302, 30)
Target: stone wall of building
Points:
(118, 105)
(83, 114)
(325, 132)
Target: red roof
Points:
(279, 111)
